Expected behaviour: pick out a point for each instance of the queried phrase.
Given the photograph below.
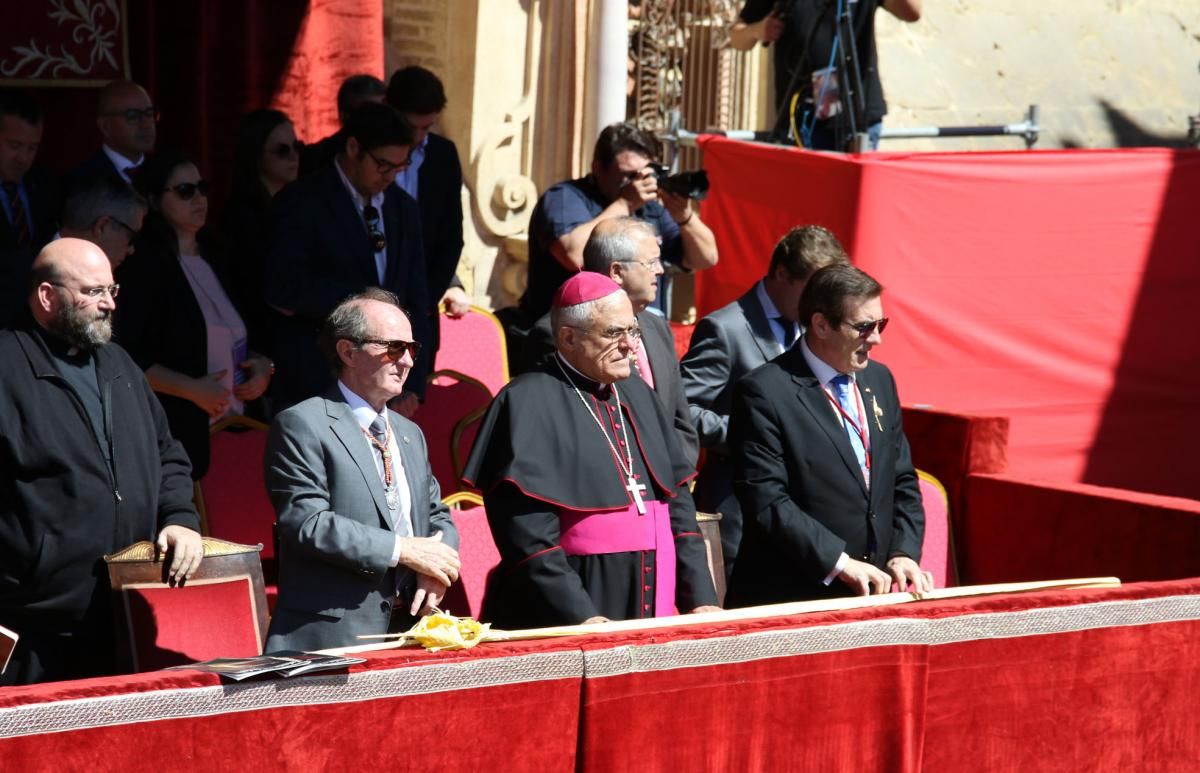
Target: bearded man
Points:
(87, 467)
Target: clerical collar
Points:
(824, 372)
(61, 349)
(589, 385)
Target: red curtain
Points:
(205, 64)
(1049, 287)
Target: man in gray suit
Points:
(361, 524)
(736, 339)
(626, 250)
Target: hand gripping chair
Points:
(220, 612)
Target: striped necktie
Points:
(17, 214)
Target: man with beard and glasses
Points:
(87, 467)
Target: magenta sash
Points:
(624, 531)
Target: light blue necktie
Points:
(845, 398)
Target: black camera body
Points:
(692, 185)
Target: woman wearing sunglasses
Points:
(175, 318)
(266, 158)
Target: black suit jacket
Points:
(664, 366)
(159, 321)
(439, 197)
(41, 188)
(96, 165)
(803, 499)
(320, 254)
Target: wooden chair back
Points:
(220, 612)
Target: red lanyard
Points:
(856, 425)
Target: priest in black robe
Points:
(584, 482)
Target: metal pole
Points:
(1027, 130)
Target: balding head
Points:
(626, 250)
(72, 292)
(127, 119)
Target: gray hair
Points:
(98, 197)
(347, 321)
(580, 315)
(614, 240)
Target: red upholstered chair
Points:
(233, 495)
(937, 551)
(220, 612)
(474, 344)
(450, 397)
(477, 552)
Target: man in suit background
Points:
(354, 91)
(362, 528)
(734, 340)
(822, 467)
(336, 232)
(128, 123)
(106, 212)
(28, 196)
(434, 178)
(625, 249)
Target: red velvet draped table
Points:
(1100, 679)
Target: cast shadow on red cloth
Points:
(1021, 530)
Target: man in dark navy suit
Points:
(434, 178)
(128, 123)
(28, 196)
(822, 468)
(337, 232)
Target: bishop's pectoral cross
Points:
(635, 490)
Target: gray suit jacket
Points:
(335, 537)
(664, 366)
(726, 345)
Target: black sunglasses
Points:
(371, 218)
(186, 191)
(395, 349)
(383, 166)
(286, 150)
(865, 329)
(133, 115)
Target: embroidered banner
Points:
(63, 43)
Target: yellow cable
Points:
(792, 120)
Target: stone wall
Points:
(1105, 73)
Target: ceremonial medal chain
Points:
(627, 465)
(391, 490)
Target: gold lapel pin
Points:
(878, 413)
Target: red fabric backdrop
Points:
(1016, 531)
(1050, 287)
(205, 64)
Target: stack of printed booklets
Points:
(286, 663)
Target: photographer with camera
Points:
(624, 182)
(802, 34)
